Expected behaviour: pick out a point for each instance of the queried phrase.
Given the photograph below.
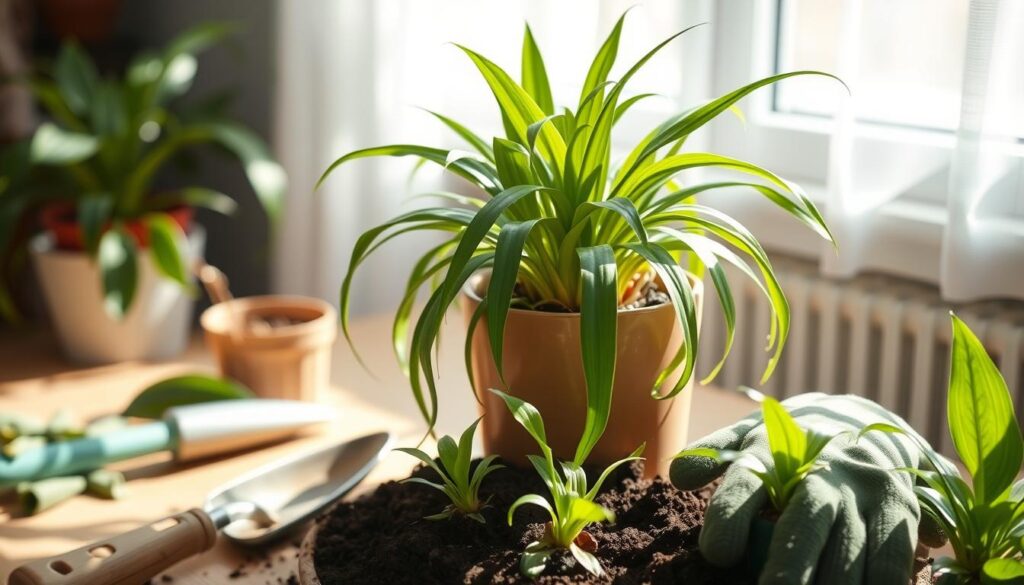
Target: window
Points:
(907, 74)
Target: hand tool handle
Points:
(131, 558)
(83, 455)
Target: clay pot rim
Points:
(213, 318)
(471, 291)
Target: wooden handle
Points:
(131, 558)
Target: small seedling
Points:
(574, 508)
(457, 483)
(984, 523)
(795, 453)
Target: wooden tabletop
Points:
(34, 379)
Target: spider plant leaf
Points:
(448, 451)
(636, 455)
(534, 500)
(738, 236)
(465, 454)
(466, 134)
(526, 415)
(478, 175)
(484, 468)
(704, 114)
(981, 417)
(535, 75)
(1003, 570)
(426, 460)
(678, 287)
(587, 512)
(426, 333)
(93, 215)
(599, 143)
(118, 264)
(478, 227)
(507, 257)
(428, 265)
(625, 208)
(164, 237)
(467, 352)
(512, 163)
(786, 440)
(532, 563)
(699, 245)
(518, 108)
(624, 107)
(76, 77)
(424, 217)
(587, 560)
(597, 75)
(598, 321)
(422, 481)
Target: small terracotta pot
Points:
(543, 365)
(291, 361)
(60, 220)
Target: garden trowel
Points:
(264, 505)
(191, 432)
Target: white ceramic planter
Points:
(156, 326)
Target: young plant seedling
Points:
(457, 483)
(574, 508)
(984, 523)
(795, 453)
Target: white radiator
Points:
(872, 336)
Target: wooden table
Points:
(35, 380)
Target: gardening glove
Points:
(852, 522)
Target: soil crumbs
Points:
(383, 538)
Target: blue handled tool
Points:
(191, 432)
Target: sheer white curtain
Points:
(351, 73)
(918, 208)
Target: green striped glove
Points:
(854, 522)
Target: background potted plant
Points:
(574, 244)
(116, 258)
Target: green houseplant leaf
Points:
(182, 390)
(981, 417)
(118, 262)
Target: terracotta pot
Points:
(60, 220)
(290, 361)
(543, 365)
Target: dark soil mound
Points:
(382, 537)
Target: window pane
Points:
(909, 55)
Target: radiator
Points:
(872, 336)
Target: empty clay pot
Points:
(278, 346)
(543, 365)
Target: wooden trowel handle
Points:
(131, 558)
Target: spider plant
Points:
(572, 507)
(560, 224)
(461, 487)
(106, 139)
